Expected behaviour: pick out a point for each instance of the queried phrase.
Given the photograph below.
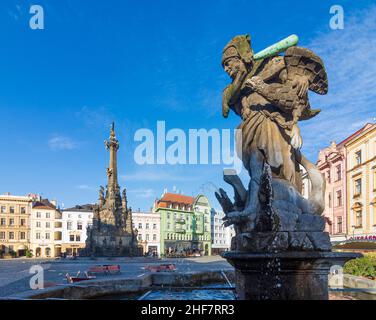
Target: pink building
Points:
(332, 164)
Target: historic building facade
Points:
(361, 183)
(45, 229)
(147, 226)
(75, 222)
(111, 233)
(185, 224)
(14, 225)
(332, 164)
(350, 197)
(221, 236)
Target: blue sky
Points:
(137, 62)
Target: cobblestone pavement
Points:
(15, 276)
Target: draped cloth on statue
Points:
(260, 132)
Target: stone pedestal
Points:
(290, 275)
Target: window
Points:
(48, 225)
(154, 226)
(3, 209)
(11, 222)
(154, 237)
(147, 226)
(330, 199)
(168, 226)
(2, 235)
(328, 175)
(48, 236)
(23, 222)
(339, 198)
(140, 225)
(22, 235)
(23, 209)
(78, 238)
(147, 237)
(38, 224)
(339, 173)
(358, 157)
(71, 238)
(168, 215)
(48, 215)
(140, 237)
(3, 221)
(39, 215)
(69, 225)
(358, 218)
(358, 187)
(11, 209)
(339, 225)
(37, 235)
(11, 235)
(79, 225)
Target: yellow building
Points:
(14, 225)
(361, 183)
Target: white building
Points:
(75, 222)
(148, 229)
(221, 236)
(45, 229)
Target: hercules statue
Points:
(270, 94)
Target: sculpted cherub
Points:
(271, 96)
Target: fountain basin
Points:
(129, 287)
(289, 275)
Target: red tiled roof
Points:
(44, 204)
(174, 198)
(367, 125)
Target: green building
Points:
(185, 224)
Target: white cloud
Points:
(95, 117)
(156, 174)
(143, 193)
(58, 142)
(84, 187)
(349, 58)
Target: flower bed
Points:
(362, 267)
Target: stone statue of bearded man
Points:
(271, 96)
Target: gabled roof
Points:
(81, 208)
(355, 134)
(43, 204)
(168, 198)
